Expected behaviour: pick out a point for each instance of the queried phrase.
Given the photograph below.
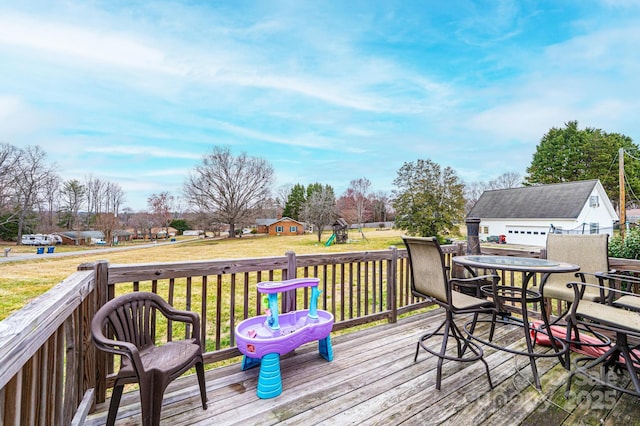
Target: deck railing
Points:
(52, 375)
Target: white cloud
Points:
(100, 47)
(128, 150)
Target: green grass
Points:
(22, 281)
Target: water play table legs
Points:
(269, 379)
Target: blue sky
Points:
(135, 92)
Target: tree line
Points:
(231, 191)
(33, 196)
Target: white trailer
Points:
(38, 240)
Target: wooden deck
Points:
(373, 380)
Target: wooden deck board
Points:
(373, 380)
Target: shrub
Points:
(629, 248)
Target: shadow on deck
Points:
(373, 380)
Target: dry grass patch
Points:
(22, 281)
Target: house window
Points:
(279, 228)
(594, 228)
(293, 229)
(593, 201)
(484, 230)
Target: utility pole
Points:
(623, 218)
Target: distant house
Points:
(163, 232)
(193, 232)
(81, 237)
(632, 215)
(526, 215)
(121, 235)
(280, 226)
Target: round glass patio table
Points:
(529, 267)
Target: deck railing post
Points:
(392, 284)
(457, 271)
(289, 297)
(96, 362)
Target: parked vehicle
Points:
(39, 239)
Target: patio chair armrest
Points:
(614, 279)
(118, 347)
(619, 274)
(578, 291)
(582, 275)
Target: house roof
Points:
(341, 222)
(560, 200)
(82, 234)
(269, 222)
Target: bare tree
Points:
(505, 181)
(125, 216)
(161, 206)
(282, 194)
(9, 160)
(474, 190)
(142, 223)
(95, 194)
(113, 198)
(360, 188)
(31, 172)
(229, 187)
(50, 198)
(320, 209)
(380, 205)
(72, 197)
(107, 223)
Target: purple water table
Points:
(264, 338)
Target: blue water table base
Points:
(269, 379)
(263, 339)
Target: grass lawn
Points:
(22, 281)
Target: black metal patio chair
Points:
(623, 354)
(590, 252)
(429, 280)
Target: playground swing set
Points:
(341, 233)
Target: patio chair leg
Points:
(493, 326)
(201, 382)
(469, 333)
(443, 351)
(113, 405)
(622, 339)
(151, 395)
(532, 358)
(486, 367)
(567, 390)
(568, 336)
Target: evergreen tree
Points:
(295, 202)
(570, 154)
(429, 200)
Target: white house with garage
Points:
(527, 214)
